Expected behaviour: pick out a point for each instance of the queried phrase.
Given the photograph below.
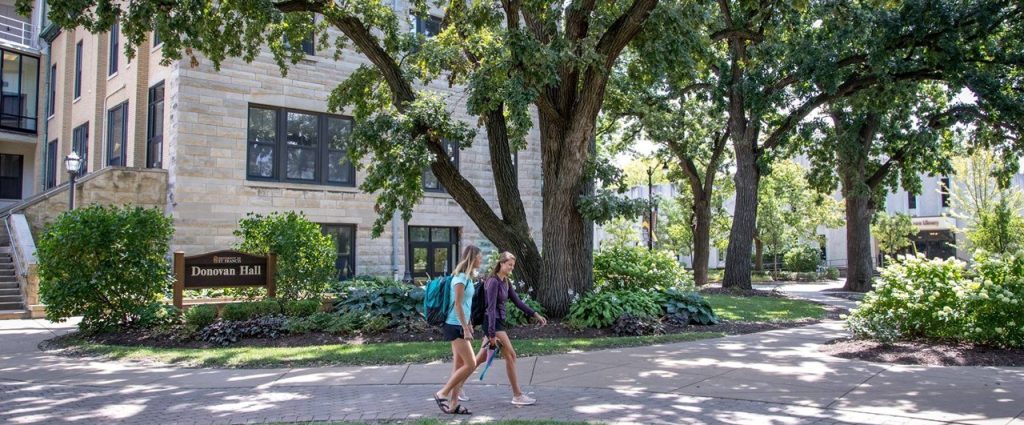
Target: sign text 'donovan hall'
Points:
(222, 269)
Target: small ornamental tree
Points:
(893, 232)
(106, 264)
(305, 256)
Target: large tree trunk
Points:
(744, 222)
(701, 239)
(859, 265)
(568, 259)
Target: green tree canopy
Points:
(512, 58)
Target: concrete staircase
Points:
(12, 302)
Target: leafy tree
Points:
(893, 232)
(873, 143)
(305, 256)
(999, 230)
(779, 62)
(658, 95)
(621, 232)
(510, 56)
(992, 213)
(790, 212)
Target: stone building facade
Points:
(242, 140)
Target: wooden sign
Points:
(223, 269)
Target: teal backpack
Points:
(437, 300)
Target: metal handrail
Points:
(16, 30)
(15, 251)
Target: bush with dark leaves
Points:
(630, 325)
(225, 332)
(686, 307)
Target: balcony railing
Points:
(16, 31)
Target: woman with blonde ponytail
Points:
(497, 290)
(459, 330)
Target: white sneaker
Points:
(523, 400)
(463, 396)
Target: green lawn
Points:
(763, 309)
(728, 307)
(364, 354)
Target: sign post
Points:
(223, 269)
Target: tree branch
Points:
(623, 30)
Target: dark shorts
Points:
(452, 332)
(499, 326)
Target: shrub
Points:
(600, 309)
(630, 325)
(914, 298)
(106, 264)
(686, 307)
(223, 332)
(514, 317)
(248, 310)
(802, 258)
(994, 303)
(633, 268)
(301, 308)
(399, 304)
(305, 256)
(199, 316)
(832, 273)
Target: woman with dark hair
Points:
(459, 330)
(497, 291)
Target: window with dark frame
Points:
(80, 144)
(430, 182)
(299, 146)
(51, 98)
(945, 192)
(344, 236)
(156, 39)
(117, 134)
(51, 164)
(155, 127)
(429, 27)
(78, 70)
(911, 201)
(19, 102)
(115, 34)
(432, 251)
(11, 176)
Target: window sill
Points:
(76, 100)
(260, 184)
(437, 195)
(111, 76)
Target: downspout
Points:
(46, 117)
(394, 245)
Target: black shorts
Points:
(452, 332)
(499, 326)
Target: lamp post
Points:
(652, 209)
(72, 163)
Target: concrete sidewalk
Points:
(770, 377)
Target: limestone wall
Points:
(109, 186)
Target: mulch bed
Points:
(424, 333)
(925, 353)
(554, 329)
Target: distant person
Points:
(458, 329)
(497, 291)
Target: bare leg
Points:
(463, 350)
(509, 354)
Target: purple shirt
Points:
(497, 293)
